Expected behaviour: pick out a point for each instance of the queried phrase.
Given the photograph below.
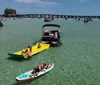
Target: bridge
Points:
(53, 16)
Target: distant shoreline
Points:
(50, 16)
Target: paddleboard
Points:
(26, 76)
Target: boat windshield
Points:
(50, 27)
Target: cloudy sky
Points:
(73, 7)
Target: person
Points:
(30, 48)
(47, 66)
(35, 72)
(42, 66)
(56, 35)
(28, 54)
(39, 45)
(23, 51)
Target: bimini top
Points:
(52, 25)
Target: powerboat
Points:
(51, 34)
(1, 24)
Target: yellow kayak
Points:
(35, 50)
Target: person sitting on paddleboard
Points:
(30, 48)
(37, 69)
(42, 66)
(47, 66)
(35, 72)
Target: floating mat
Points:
(35, 50)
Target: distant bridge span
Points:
(53, 16)
(56, 16)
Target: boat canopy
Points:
(52, 25)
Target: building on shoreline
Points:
(9, 12)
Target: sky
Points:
(64, 7)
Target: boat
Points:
(26, 76)
(51, 34)
(47, 20)
(35, 50)
(1, 24)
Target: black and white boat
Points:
(51, 34)
(1, 24)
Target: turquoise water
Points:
(77, 61)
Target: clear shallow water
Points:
(77, 61)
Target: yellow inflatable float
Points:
(35, 49)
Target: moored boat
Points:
(51, 34)
(1, 24)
